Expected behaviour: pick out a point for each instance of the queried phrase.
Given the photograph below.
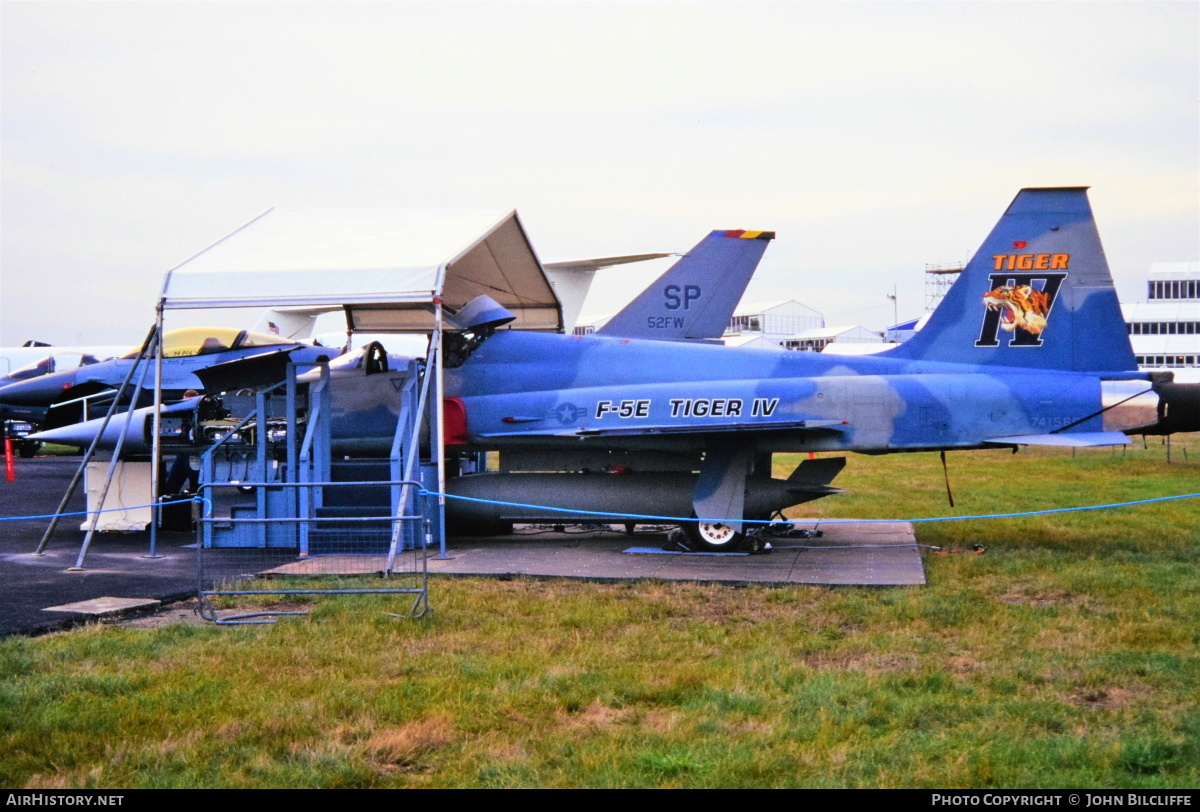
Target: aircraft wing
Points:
(572, 280)
(579, 265)
(643, 430)
(792, 425)
(263, 369)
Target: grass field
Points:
(1064, 656)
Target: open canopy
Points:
(385, 268)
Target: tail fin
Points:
(1037, 294)
(697, 296)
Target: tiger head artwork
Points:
(1019, 306)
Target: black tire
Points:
(28, 448)
(714, 537)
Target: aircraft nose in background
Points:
(36, 392)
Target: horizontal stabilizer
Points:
(1077, 439)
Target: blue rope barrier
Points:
(680, 519)
(106, 510)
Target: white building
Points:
(775, 320)
(1165, 330)
(818, 339)
(590, 324)
(754, 341)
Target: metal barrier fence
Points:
(335, 548)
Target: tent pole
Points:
(91, 451)
(94, 522)
(156, 449)
(441, 433)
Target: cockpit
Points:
(188, 342)
(474, 322)
(58, 362)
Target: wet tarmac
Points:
(116, 565)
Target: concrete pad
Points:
(849, 554)
(331, 565)
(104, 606)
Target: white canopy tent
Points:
(385, 268)
(390, 271)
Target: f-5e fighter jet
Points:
(1027, 348)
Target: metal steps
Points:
(353, 503)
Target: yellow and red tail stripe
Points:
(750, 235)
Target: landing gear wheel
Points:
(713, 537)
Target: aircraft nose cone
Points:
(77, 434)
(35, 392)
(82, 434)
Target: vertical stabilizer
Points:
(295, 323)
(696, 297)
(1037, 294)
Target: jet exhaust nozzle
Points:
(1178, 408)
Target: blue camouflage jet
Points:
(61, 397)
(1027, 348)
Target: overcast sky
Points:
(872, 137)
